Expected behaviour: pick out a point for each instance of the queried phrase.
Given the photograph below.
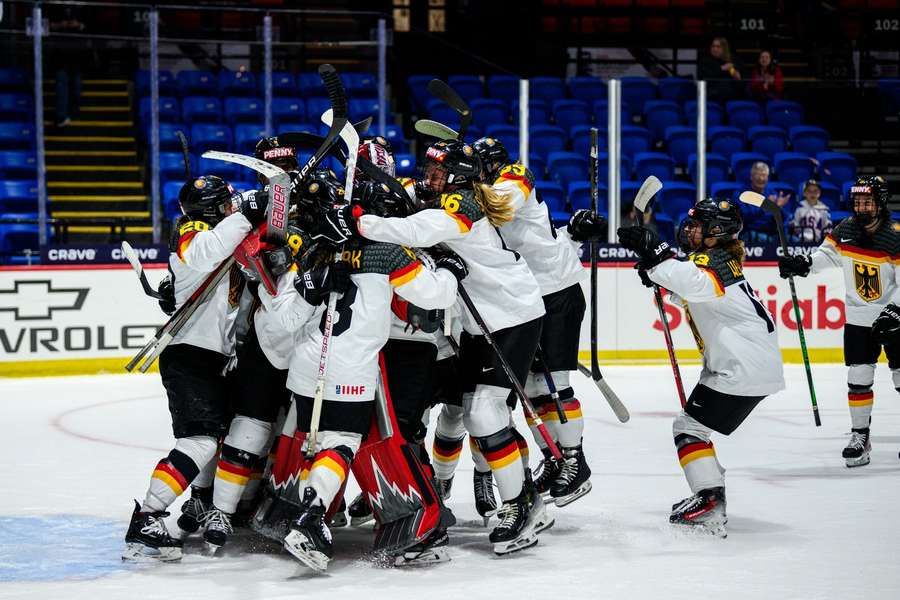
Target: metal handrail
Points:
(202, 7)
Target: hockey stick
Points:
(185, 154)
(306, 139)
(648, 189)
(435, 129)
(760, 201)
(338, 98)
(444, 92)
(132, 257)
(551, 385)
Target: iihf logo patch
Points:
(349, 390)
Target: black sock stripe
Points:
(184, 464)
(495, 441)
(241, 458)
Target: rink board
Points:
(57, 320)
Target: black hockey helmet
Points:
(718, 218)
(206, 198)
(379, 152)
(450, 165)
(379, 199)
(493, 156)
(875, 186)
(319, 192)
(270, 150)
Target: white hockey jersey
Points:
(869, 264)
(735, 333)
(500, 283)
(197, 250)
(362, 320)
(551, 255)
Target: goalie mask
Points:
(378, 151)
(868, 199)
(449, 165)
(207, 198)
(710, 218)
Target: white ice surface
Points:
(801, 525)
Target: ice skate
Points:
(444, 486)
(485, 503)
(547, 473)
(192, 512)
(573, 480)
(705, 511)
(516, 530)
(309, 539)
(360, 512)
(148, 539)
(430, 551)
(218, 528)
(858, 448)
(339, 519)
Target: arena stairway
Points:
(94, 177)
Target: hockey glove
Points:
(315, 285)
(167, 291)
(338, 224)
(645, 279)
(585, 227)
(253, 206)
(646, 244)
(794, 266)
(278, 260)
(452, 262)
(887, 325)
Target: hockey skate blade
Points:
(297, 544)
(859, 462)
(520, 543)
(710, 528)
(141, 553)
(582, 490)
(540, 519)
(360, 521)
(431, 556)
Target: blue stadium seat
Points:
(715, 114)
(741, 163)
(292, 126)
(244, 110)
(469, 87)
(18, 164)
(726, 189)
(16, 237)
(678, 89)
(538, 112)
(315, 106)
(417, 85)
(627, 191)
(360, 85)
(167, 138)
(635, 139)
(744, 114)
(553, 195)
(503, 87)
(716, 168)
(725, 140)
(831, 194)
(206, 109)
(580, 196)
(794, 168)
(170, 190)
(18, 195)
(569, 113)
(310, 84)
(681, 142)
(219, 168)
(784, 113)
(536, 164)
(246, 136)
(581, 139)
(237, 83)
(394, 134)
(547, 89)
(890, 92)
(676, 197)
(489, 111)
(166, 83)
(845, 193)
(15, 107)
(653, 163)
(660, 114)
(767, 139)
(284, 83)
(836, 167)
(603, 168)
(406, 165)
(288, 109)
(196, 83)
(566, 167)
(809, 139)
(171, 165)
(507, 134)
(360, 108)
(600, 110)
(169, 111)
(441, 112)
(17, 135)
(544, 139)
(637, 91)
(209, 136)
(13, 80)
(665, 226)
(587, 89)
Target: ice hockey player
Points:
(866, 247)
(362, 325)
(191, 366)
(463, 214)
(735, 334)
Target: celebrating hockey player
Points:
(191, 366)
(866, 247)
(735, 334)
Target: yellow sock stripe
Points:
(446, 458)
(329, 463)
(232, 477)
(861, 403)
(505, 460)
(696, 455)
(169, 481)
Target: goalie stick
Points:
(648, 189)
(132, 257)
(760, 201)
(445, 93)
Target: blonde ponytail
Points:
(497, 208)
(736, 249)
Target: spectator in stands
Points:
(630, 217)
(720, 71)
(812, 220)
(759, 226)
(767, 80)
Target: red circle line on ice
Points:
(58, 423)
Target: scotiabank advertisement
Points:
(60, 319)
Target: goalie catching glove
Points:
(646, 244)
